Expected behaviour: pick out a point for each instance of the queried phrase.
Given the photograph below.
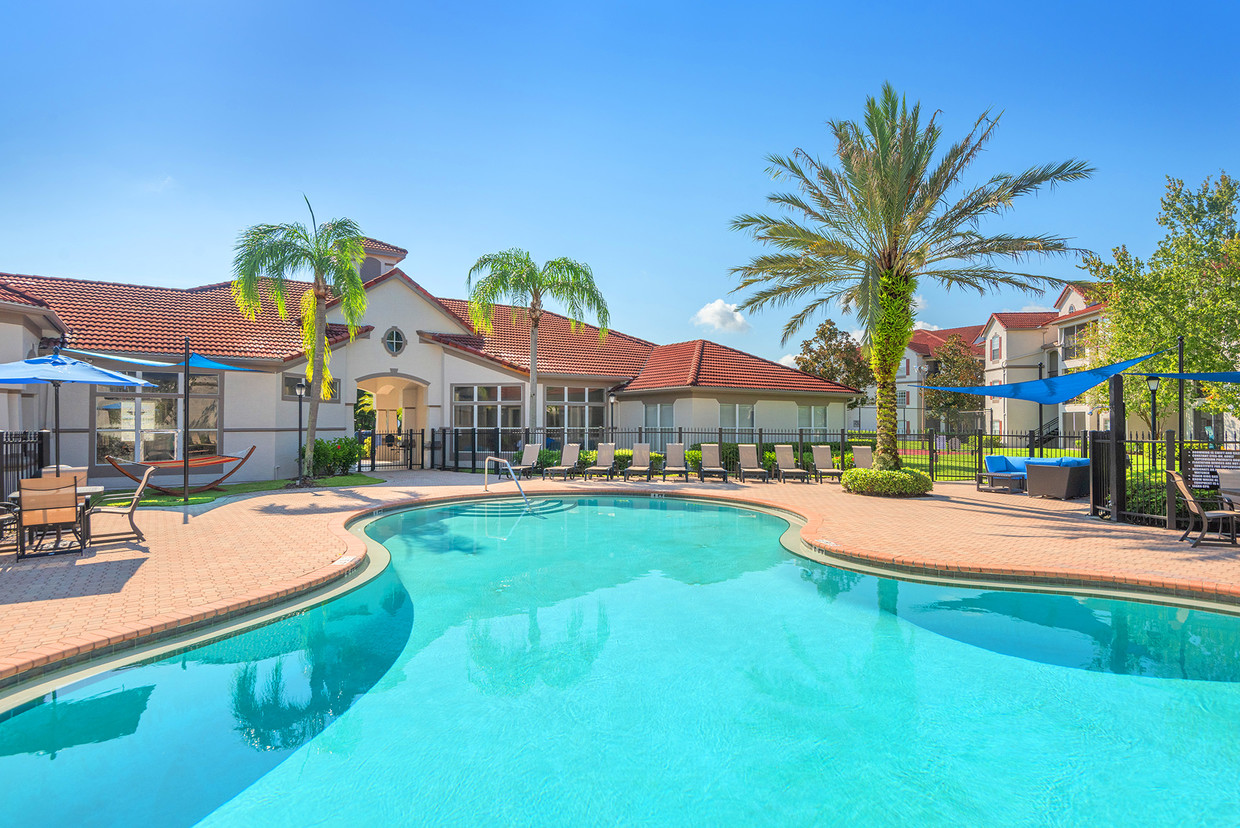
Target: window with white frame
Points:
(146, 424)
(575, 406)
(486, 406)
(994, 382)
(811, 416)
(659, 415)
(1072, 346)
(901, 398)
(996, 347)
(735, 415)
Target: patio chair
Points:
(786, 465)
(674, 462)
(749, 464)
(605, 463)
(711, 466)
(641, 461)
(1196, 512)
(123, 508)
(529, 459)
(863, 457)
(1229, 486)
(49, 503)
(824, 464)
(568, 461)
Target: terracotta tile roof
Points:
(376, 246)
(10, 294)
(1085, 311)
(705, 364)
(1084, 287)
(560, 349)
(927, 342)
(110, 316)
(1024, 320)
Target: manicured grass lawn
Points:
(156, 499)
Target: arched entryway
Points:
(400, 417)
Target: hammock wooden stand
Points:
(194, 463)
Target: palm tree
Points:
(867, 234)
(513, 276)
(269, 254)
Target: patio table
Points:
(86, 492)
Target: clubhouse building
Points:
(416, 353)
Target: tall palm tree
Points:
(867, 234)
(332, 252)
(513, 276)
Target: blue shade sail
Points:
(195, 361)
(1050, 391)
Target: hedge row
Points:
(548, 458)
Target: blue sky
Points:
(139, 139)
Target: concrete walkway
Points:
(204, 563)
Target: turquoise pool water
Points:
(613, 661)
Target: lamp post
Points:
(1152, 382)
(611, 415)
(301, 395)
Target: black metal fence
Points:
(1129, 482)
(391, 450)
(943, 456)
(23, 454)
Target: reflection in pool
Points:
(649, 661)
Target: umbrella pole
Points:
(56, 394)
(185, 428)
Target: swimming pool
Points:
(613, 660)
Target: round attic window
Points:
(394, 341)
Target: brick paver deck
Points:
(205, 563)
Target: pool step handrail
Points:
(498, 461)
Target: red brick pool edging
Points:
(21, 667)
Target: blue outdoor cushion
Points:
(1003, 464)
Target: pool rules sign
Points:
(1202, 463)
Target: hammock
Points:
(194, 463)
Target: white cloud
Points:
(788, 359)
(858, 335)
(159, 185)
(721, 316)
(919, 302)
(925, 326)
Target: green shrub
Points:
(332, 457)
(901, 483)
(547, 458)
(693, 459)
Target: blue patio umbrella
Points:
(55, 370)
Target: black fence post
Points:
(1169, 463)
(931, 447)
(1032, 438)
(456, 449)
(1115, 462)
(977, 455)
(374, 442)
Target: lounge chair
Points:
(529, 460)
(641, 461)
(863, 457)
(123, 508)
(674, 462)
(749, 464)
(49, 503)
(711, 466)
(605, 463)
(1223, 517)
(786, 465)
(824, 464)
(568, 461)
